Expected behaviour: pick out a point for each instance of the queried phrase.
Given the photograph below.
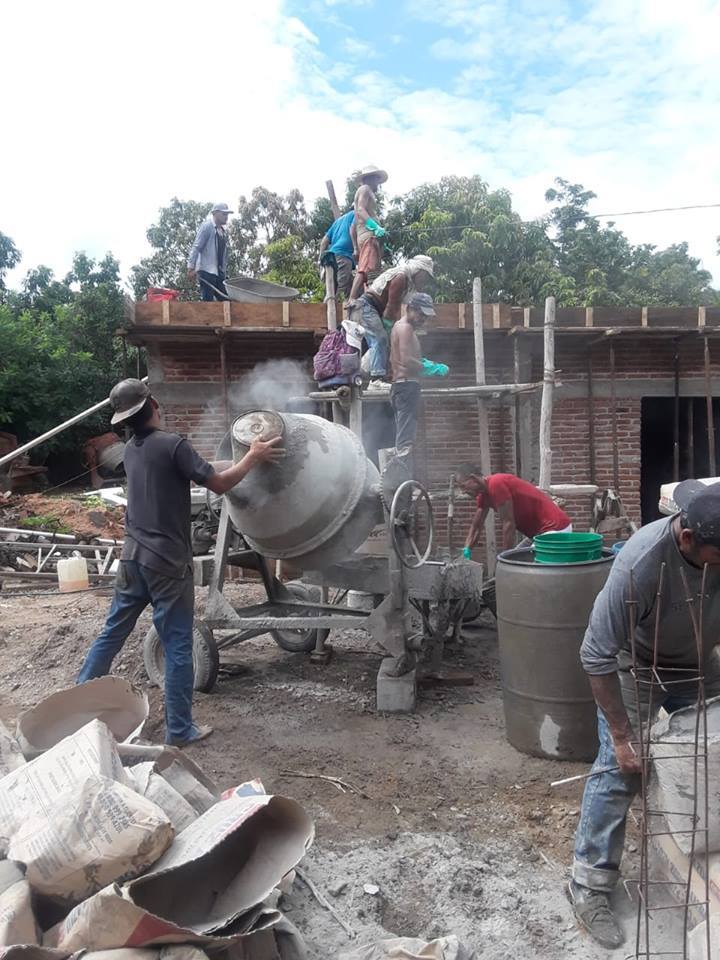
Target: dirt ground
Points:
(460, 833)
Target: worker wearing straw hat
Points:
(367, 230)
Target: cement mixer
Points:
(312, 510)
(317, 505)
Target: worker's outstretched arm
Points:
(478, 522)
(261, 451)
(509, 530)
(353, 239)
(606, 690)
(324, 244)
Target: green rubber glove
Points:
(432, 369)
(375, 228)
(388, 324)
(467, 553)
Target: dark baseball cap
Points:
(700, 504)
(422, 302)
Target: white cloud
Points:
(112, 110)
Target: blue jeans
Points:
(172, 601)
(600, 834)
(377, 339)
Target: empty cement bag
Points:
(11, 756)
(180, 951)
(182, 773)
(17, 920)
(208, 889)
(410, 948)
(150, 783)
(71, 817)
(122, 707)
(672, 750)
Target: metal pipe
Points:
(546, 405)
(55, 430)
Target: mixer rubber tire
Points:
(297, 641)
(206, 659)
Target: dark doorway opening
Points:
(656, 446)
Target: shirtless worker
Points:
(367, 231)
(156, 563)
(381, 305)
(521, 506)
(407, 367)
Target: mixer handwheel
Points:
(402, 516)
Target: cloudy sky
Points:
(111, 109)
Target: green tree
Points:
(171, 238)
(60, 351)
(289, 264)
(469, 231)
(10, 257)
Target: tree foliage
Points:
(60, 350)
(467, 228)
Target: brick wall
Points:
(449, 427)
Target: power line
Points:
(587, 216)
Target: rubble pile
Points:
(85, 518)
(129, 849)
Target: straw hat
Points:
(372, 170)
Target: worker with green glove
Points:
(366, 231)
(408, 366)
(381, 305)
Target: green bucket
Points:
(567, 547)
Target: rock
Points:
(338, 888)
(372, 889)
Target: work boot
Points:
(196, 734)
(593, 913)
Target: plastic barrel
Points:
(543, 612)
(567, 547)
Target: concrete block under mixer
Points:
(314, 507)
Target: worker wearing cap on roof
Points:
(685, 551)
(408, 365)
(156, 563)
(208, 255)
(367, 231)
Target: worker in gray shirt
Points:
(208, 256)
(681, 546)
(156, 563)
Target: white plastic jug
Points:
(72, 574)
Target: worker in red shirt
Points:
(521, 506)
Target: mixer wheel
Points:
(206, 659)
(296, 641)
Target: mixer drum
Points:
(315, 506)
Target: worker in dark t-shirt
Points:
(520, 505)
(156, 563)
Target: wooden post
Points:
(330, 298)
(224, 381)
(712, 465)
(613, 421)
(335, 207)
(591, 415)
(676, 412)
(547, 395)
(522, 370)
(485, 460)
